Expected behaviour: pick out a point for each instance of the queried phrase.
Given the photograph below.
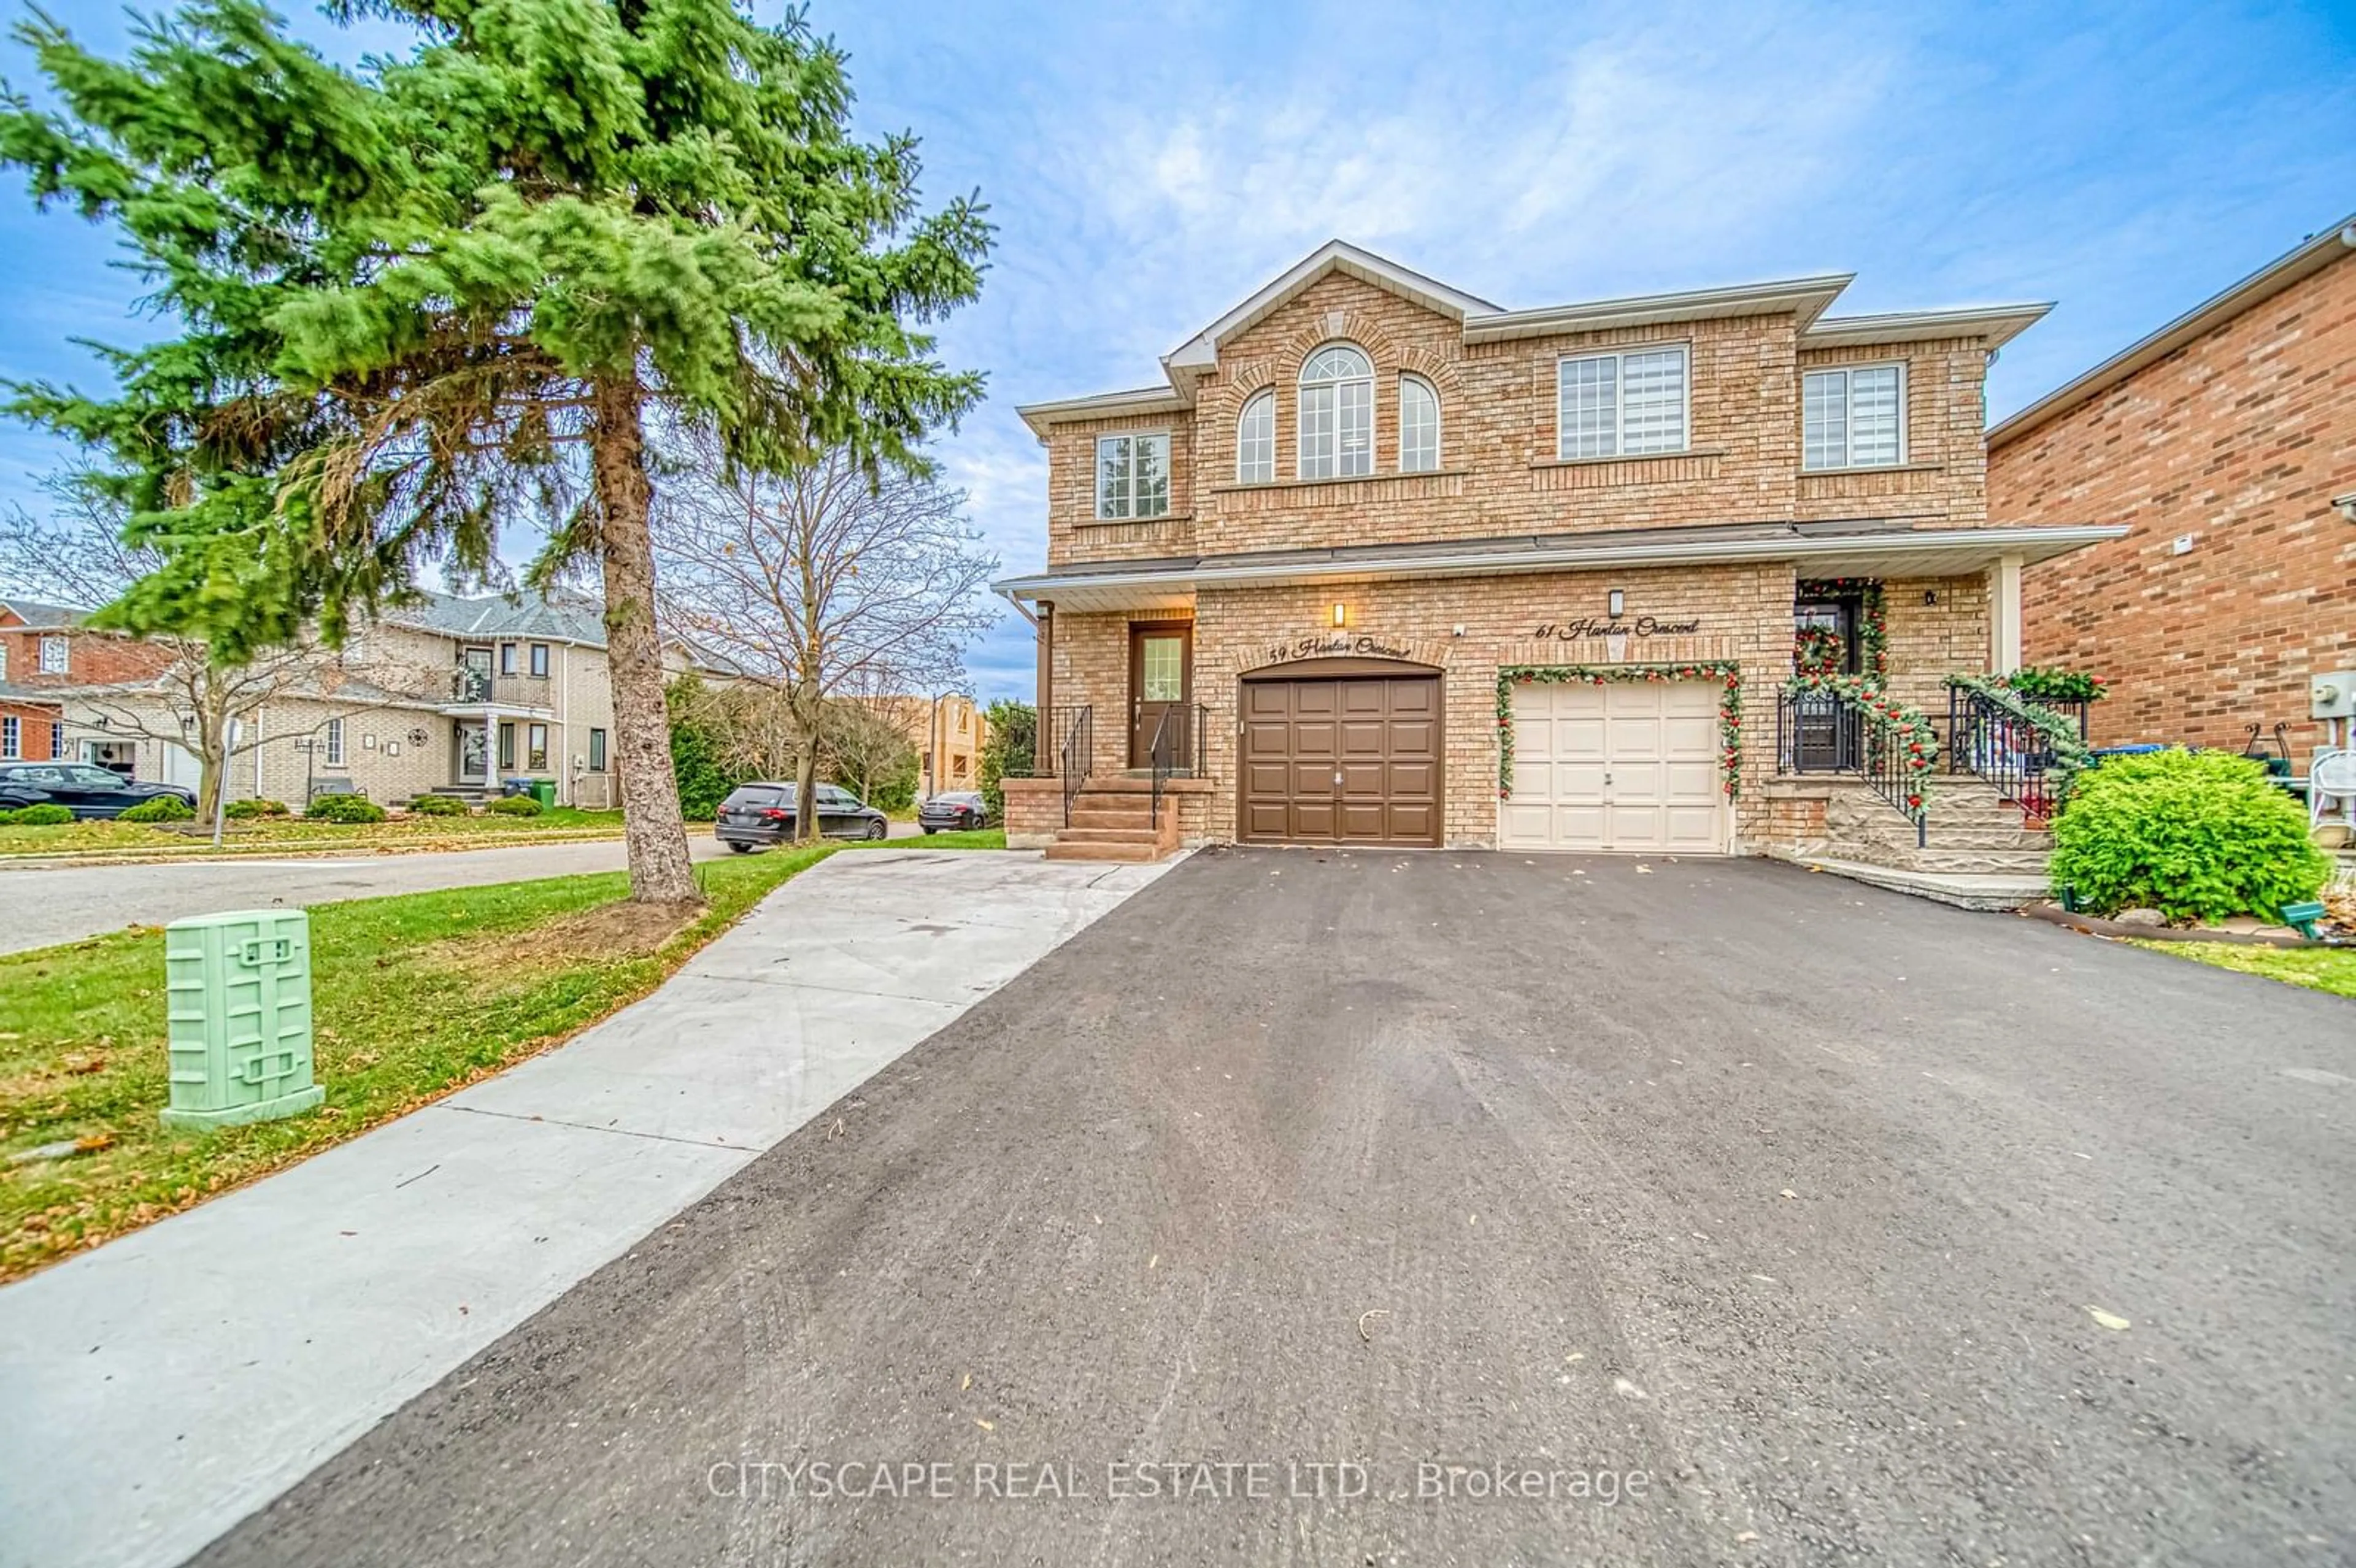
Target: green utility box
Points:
(237, 992)
(544, 792)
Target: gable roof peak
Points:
(1200, 351)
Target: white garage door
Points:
(1625, 765)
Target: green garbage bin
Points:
(237, 995)
(544, 792)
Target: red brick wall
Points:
(34, 731)
(2237, 441)
(92, 658)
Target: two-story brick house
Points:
(1380, 562)
(45, 651)
(2227, 442)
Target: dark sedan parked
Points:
(954, 812)
(82, 789)
(763, 813)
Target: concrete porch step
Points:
(1135, 853)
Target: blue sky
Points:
(1150, 166)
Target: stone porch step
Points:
(1075, 834)
(1963, 889)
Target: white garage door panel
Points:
(1628, 765)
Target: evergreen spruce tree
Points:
(419, 300)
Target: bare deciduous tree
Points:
(77, 558)
(822, 582)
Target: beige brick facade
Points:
(1501, 484)
(2238, 579)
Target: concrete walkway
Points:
(160, 1388)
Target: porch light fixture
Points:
(1618, 603)
(1929, 596)
(1341, 616)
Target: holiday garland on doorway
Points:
(1872, 634)
(1916, 739)
(1728, 674)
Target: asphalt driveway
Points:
(1307, 1201)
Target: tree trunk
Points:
(806, 712)
(653, 830)
(212, 767)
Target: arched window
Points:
(1419, 425)
(1256, 441)
(1337, 414)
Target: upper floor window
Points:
(1132, 476)
(1337, 414)
(1419, 426)
(507, 658)
(1256, 441)
(1853, 417)
(54, 656)
(1620, 405)
(539, 659)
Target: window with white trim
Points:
(1620, 405)
(1337, 414)
(55, 655)
(4, 661)
(1132, 476)
(1419, 425)
(335, 743)
(10, 732)
(1854, 418)
(1256, 439)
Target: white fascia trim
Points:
(2330, 245)
(1200, 351)
(1581, 557)
(1805, 297)
(1998, 324)
(1102, 405)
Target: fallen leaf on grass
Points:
(2109, 1320)
(91, 1143)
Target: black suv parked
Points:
(763, 813)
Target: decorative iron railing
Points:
(1177, 747)
(2027, 749)
(1078, 752)
(1839, 724)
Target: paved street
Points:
(64, 903)
(1812, 1223)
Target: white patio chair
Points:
(2331, 789)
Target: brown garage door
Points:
(1349, 761)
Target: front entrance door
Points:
(474, 752)
(1160, 676)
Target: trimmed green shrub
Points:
(2194, 835)
(515, 805)
(48, 813)
(438, 806)
(345, 808)
(161, 808)
(245, 810)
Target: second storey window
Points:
(1853, 417)
(1419, 426)
(1132, 476)
(1620, 405)
(1337, 414)
(54, 656)
(1256, 441)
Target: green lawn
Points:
(2331, 969)
(413, 997)
(133, 841)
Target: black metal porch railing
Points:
(1179, 735)
(1830, 732)
(1077, 754)
(2075, 708)
(1996, 741)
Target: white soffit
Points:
(1805, 297)
(1998, 324)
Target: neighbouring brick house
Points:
(451, 694)
(2227, 442)
(45, 652)
(1381, 562)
